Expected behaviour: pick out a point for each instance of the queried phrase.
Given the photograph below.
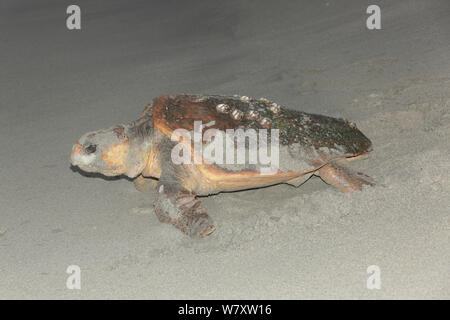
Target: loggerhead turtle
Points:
(143, 149)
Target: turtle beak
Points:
(80, 158)
(77, 149)
(77, 152)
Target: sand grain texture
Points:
(279, 242)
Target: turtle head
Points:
(119, 150)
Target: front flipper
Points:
(176, 204)
(339, 175)
(184, 211)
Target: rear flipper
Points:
(339, 175)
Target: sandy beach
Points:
(280, 242)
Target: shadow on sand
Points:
(99, 175)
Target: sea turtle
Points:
(149, 151)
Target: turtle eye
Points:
(90, 148)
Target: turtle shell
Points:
(231, 112)
(307, 141)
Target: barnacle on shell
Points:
(237, 114)
(252, 115)
(265, 122)
(275, 108)
(223, 108)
